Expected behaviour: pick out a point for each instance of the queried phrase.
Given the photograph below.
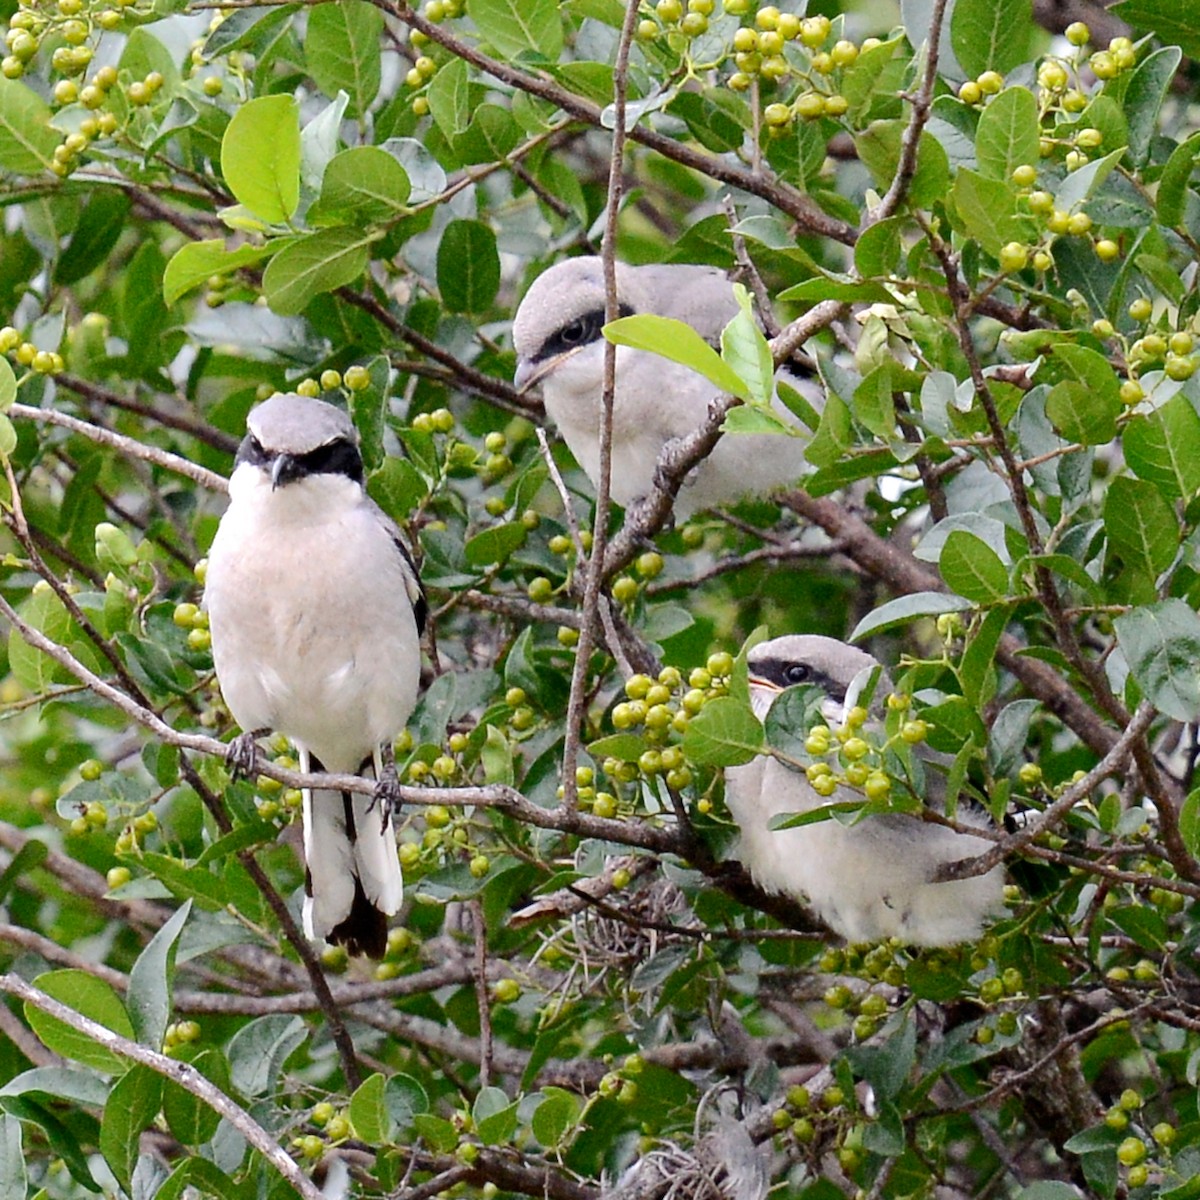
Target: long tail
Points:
(352, 880)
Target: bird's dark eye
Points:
(796, 673)
(574, 333)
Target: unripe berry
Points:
(1079, 224)
(1014, 257)
(1104, 66)
(990, 82)
(810, 106)
(1181, 342)
(1107, 250)
(970, 92)
(844, 53)
(1141, 309)
(1078, 34)
(1052, 76)
(1132, 392)
(1024, 175)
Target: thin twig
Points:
(181, 1073)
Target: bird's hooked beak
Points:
(285, 469)
(530, 371)
(763, 693)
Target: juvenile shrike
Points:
(316, 614)
(556, 334)
(869, 880)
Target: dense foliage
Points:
(991, 252)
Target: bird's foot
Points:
(242, 755)
(387, 787)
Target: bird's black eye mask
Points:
(786, 673)
(339, 457)
(582, 331)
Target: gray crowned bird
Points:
(869, 880)
(556, 333)
(316, 614)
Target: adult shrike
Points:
(869, 880)
(316, 614)
(556, 334)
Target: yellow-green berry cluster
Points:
(848, 755)
(689, 19)
(1146, 1148)
(26, 354)
(1053, 222)
(975, 91)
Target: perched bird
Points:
(556, 333)
(869, 880)
(316, 613)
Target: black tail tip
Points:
(365, 928)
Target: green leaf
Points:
(197, 262)
(812, 291)
(439, 1133)
(975, 671)
(874, 405)
(555, 1116)
(368, 1112)
(1143, 98)
(625, 747)
(495, 1116)
(496, 757)
(1008, 133)
(516, 26)
(1189, 823)
(905, 609)
(343, 48)
(879, 148)
(449, 96)
(8, 385)
(1080, 415)
(988, 210)
(8, 437)
(834, 434)
(468, 266)
(745, 350)
(260, 156)
(990, 35)
(14, 1178)
(92, 998)
(100, 225)
(1080, 185)
(186, 882)
(28, 858)
(149, 997)
(258, 1051)
(496, 544)
(247, 28)
(363, 184)
(972, 568)
(26, 140)
(724, 733)
(132, 1106)
(1161, 643)
(1163, 447)
(314, 264)
(1171, 198)
(1142, 527)
(680, 343)
(877, 252)
(1172, 21)
(34, 670)
(189, 1118)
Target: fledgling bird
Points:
(316, 613)
(556, 334)
(869, 880)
